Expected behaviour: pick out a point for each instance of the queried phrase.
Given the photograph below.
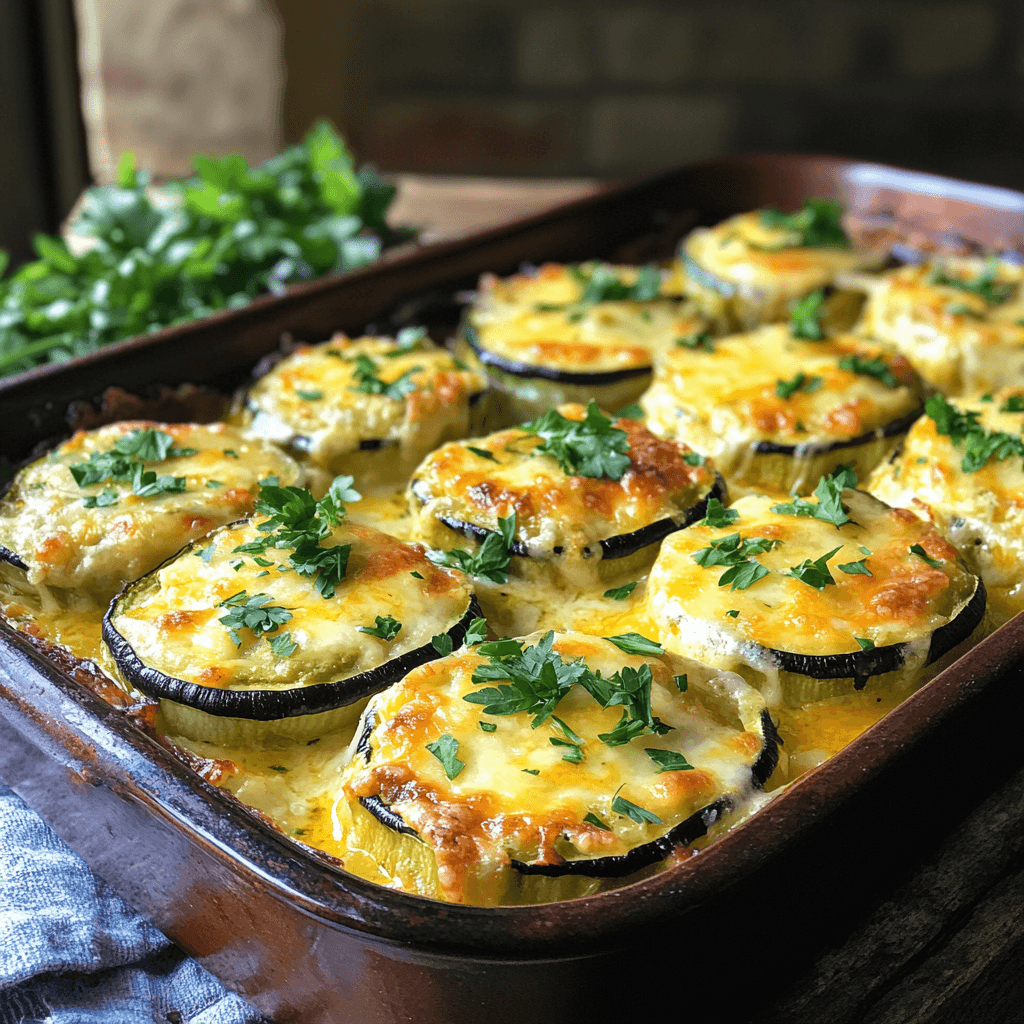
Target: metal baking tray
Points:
(286, 927)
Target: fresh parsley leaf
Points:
(590, 447)
(309, 396)
(254, 613)
(864, 643)
(445, 748)
(620, 805)
(634, 643)
(620, 593)
(733, 613)
(212, 484)
(736, 553)
(717, 515)
(1014, 403)
(569, 739)
(681, 682)
(965, 432)
(743, 575)
(814, 573)
(829, 506)
(443, 644)
(370, 384)
(231, 453)
(491, 560)
(206, 553)
(694, 459)
(799, 382)
(592, 819)
(408, 339)
(877, 368)
(106, 498)
(668, 760)
(487, 726)
(149, 445)
(278, 768)
(916, 549)
(531, 771)
(146, 484)
(416, 574)
(385, 627)
(483, 453)
(602, 284)
(807, 315)
(504, 648)
(700, 339)
(477, 632)
(984, 284)
(283, 645)
(633, 411)
(855, 568)
(819, 223)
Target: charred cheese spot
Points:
(493, 812)
(93, 551)
(980, 512)
(732, 404)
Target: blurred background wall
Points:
(558, 87)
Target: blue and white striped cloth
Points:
(73, 952)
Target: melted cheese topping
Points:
(960, 342)
(44, 520)
(743, 260)
(311, 401)
(536, 319)
(726, 401)
(496, 807)
(981, 512)
(905, 599)
(172, 619)
(556, 513)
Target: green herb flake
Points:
(620, 593)
(416, 575)
(214, 484)
(309, 396)
(443, 644)
(633, 411)
(866, 367)
(983, 285)
(818, 224)
(916, 549)
(477, 632)
(407, 340)
(591, 447)
(569, 739)
(206, 553)
(855, 568)
(283, 645)
(1014, 403)
(369, 383)
(490, 561)
(483, 453)
(592, 819)
(681, 682)
(384, 627)
(254, 613)
(531, 771)
(733, 613)
(230, 453)
(105, 499)
(717, 515)
(814, 573)
(807, 315)
(694, 459)
(799, 382)
(445, 748)
(966, 433)
(700, 339)
(487, 726)
(829, 506)
(735, 553)
(634, 643)
(864, 643)
(668, 760)
(278, 768)
(628, 809)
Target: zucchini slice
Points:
(571, 333)
(240, 645)
(877, 597)
(371, 408)
(962, 466)
(471, 787)
(777, 412)
(959, 321)
(578, 528)
(109, 504)
(759, 262)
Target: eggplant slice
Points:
(245, 637)
(777, 412)
(876, 598)
(564, 523)
(555, 801)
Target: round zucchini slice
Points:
(473, 782)
(571, 333)
(591, 496)
(776, 412)
(959, 321)
(371, 408)
(962, 466)
(760, 262)
(109, 504)
(241, 644)
(812, 598)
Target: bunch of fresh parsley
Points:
(589, 447)
(234, 232)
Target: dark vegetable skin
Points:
(688, 830)
(891, 429)
(268, 705)
(612, 547)
(7, 555)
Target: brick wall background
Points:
(613, 88)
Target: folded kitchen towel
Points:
(73, 952)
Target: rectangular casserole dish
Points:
(303, 940)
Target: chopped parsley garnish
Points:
(965, 432)
(283, 645)
(278, 768)
(490, 562)
(634, 643)
(416, 574)
(230, 452)
(309, 396)
(443, 644)
(255, 613)
(916, 549)
(700, 339)
(855, 568)
(408, 339)
(365, 372)
(206, 553)
(817, 224)
(384, 626)
(694, 459)
(487, 726)
(477, 632)
(807, 314)
(531, 771)
(125, 461)
(445, 748)
(483, 453)
(864, 643)
(106, 498)
(630, 688)
(829, 506)
(799, 382)
(146, 484)
(590, 447)
(602, 284)
(983, 285)
(592, 819)
(620, 593)
(814, 573)
(735, 553)
(1014, 403)
(214, 483)
(298, 521)
(668, 760)
(633, 411)
(620, 805)
(569, 739)
(149, 445)
(733, 613)
(681, 682)
(877, 368)
(717, 515)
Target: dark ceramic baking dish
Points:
(289, 929)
